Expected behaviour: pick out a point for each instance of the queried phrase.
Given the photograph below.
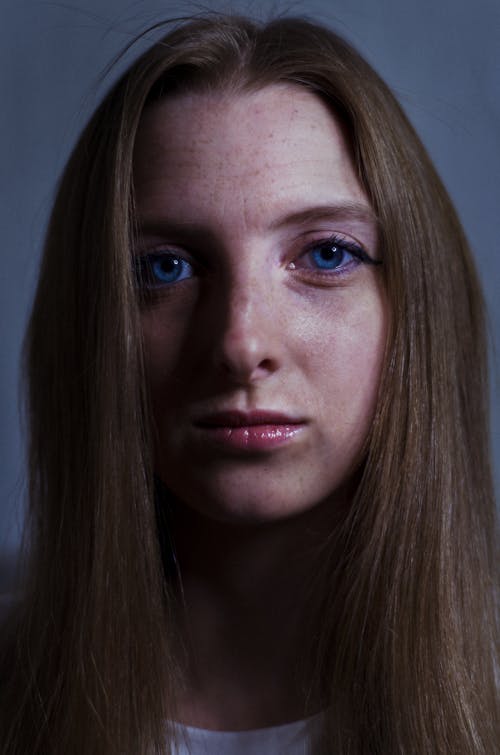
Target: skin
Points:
(223, 181)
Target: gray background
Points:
(441, 57)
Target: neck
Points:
(247, 600)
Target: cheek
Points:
(166, 335)
(345, 355)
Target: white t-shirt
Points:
(289, 739)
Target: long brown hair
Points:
(405, 651)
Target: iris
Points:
(161, 269)
(329, 256)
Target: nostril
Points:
(246, 359)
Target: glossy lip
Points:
(257, 430)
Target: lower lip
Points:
(252, 437)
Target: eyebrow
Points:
(345, 211)
(180, 229)
(353, 211)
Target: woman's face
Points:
(263, 313)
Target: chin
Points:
(255, 502)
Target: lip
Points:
(258, 430)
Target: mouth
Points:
(258, 430)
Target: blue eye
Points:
(159, 269)
(333, 255)
(330, 255)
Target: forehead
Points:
(271, 147)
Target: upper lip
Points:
(236, 418)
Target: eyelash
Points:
(147, 266)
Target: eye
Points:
(160, 269)
(332, 255)
(329, 256)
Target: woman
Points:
(260, 495)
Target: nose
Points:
(246, 345)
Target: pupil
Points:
(169, 265)
(329, 253)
